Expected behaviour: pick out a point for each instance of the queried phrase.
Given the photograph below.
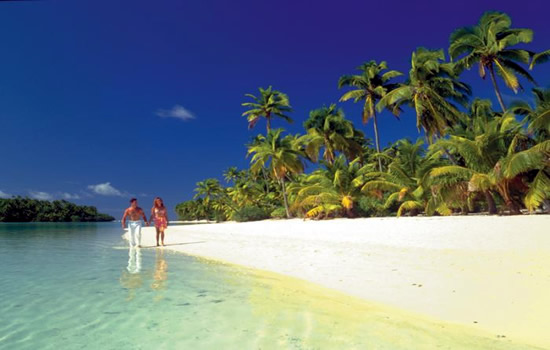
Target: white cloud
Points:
(44, 196)
(66, 195)
(4, 194)
(176, 112)
(106, 189)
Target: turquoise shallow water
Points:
(78, 286)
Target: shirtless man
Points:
(134, 224)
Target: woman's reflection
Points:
(161, 268)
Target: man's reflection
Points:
(131, 278)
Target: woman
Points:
(159, 213)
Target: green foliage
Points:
(327, 128)
(372, 207)
(475, 158)
(369, 87)
(489, 44)
(270, 103)
(250, 213)
(19, 209)
(278, 213)
(433, 90)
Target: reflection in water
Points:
(134, 260)
(131, 278)
(160, 274)
(160, 271)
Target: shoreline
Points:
(486, 272)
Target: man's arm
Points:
(124, 218)
(144, 218)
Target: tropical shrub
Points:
(250, 213)
(278, 213)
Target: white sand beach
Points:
(487, 272)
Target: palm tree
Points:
(332, 190)
(499, 160)
(370, 86)
(231, 174)
(193, 210)
(537, 117)
(270, 103)
(208, 190)
(536, 158)
(488, 44)
(407, 180)
(281, 156)
(433, 90)
(328, 128)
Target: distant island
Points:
(23, 209)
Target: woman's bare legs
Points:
(161, 236)
(156, 228)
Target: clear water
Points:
(78, 286)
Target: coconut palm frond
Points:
(408, 206)
(539, 190)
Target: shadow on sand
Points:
(171, 244)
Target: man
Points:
(134, 224)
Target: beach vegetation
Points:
(23, 209)
(468, 158)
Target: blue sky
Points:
(100, 101)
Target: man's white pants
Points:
(135, 232)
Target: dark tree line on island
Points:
(475, 157)
(20, 209)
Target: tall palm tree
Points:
(433, 90)
(369, 87)
(269, 104)
(328, 128)
(488, 44)
(280, 155)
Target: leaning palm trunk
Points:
(285, 199)
(497, 91)
(268, 119)
(490, 202)
(377, 140)
(508, 200)
(266, 180)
